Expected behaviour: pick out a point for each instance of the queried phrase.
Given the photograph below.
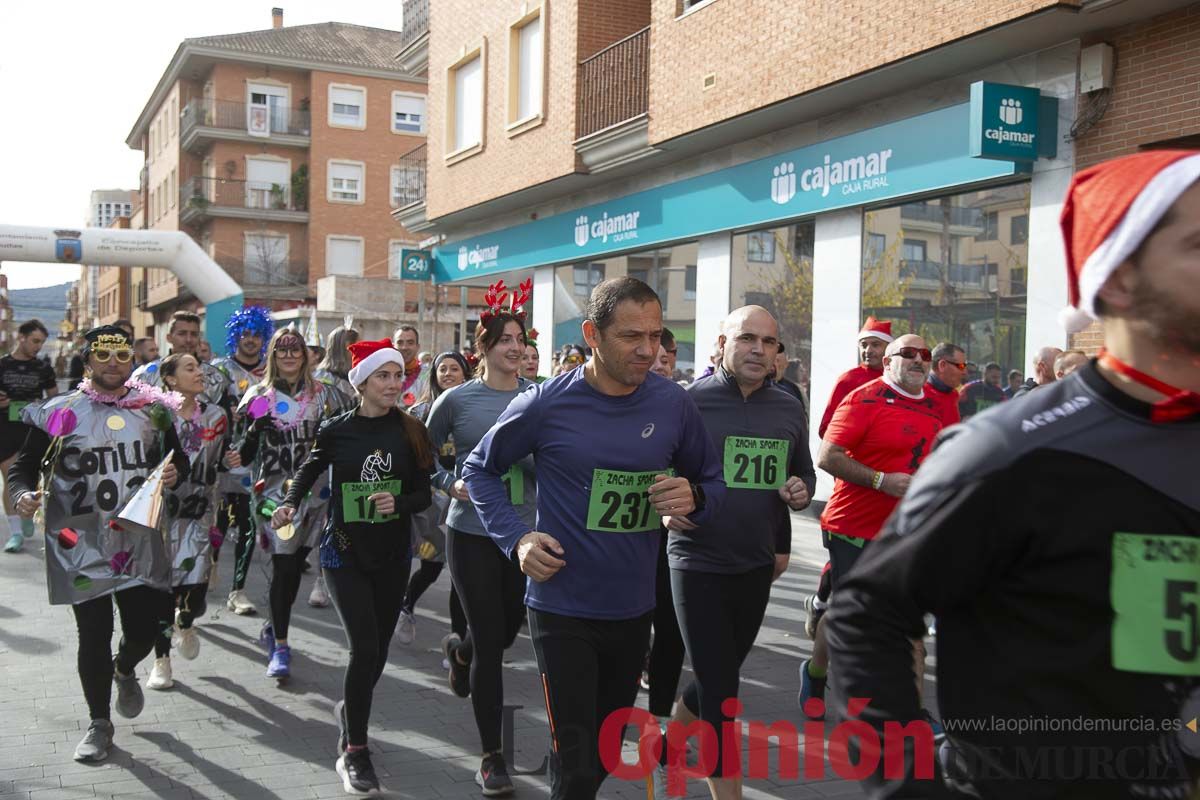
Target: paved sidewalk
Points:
(225, 730)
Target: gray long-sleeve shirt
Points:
(763, 441)
(464, 414)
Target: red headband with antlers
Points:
(497, 294)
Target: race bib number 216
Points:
(1155, 592)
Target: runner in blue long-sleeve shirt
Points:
(616, 452)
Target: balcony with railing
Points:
(614, 84)
(202, 198)
(931, 274)
(408, 195)
(956, 216)
(202, 122)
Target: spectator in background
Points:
(1015, 379)
(873, 339)
(1043, 370)
(972, 372)
(778, 374)
(1069, 361)
(425, 357)
(75, 371)
(664, 363)
(204, 351)
(145, 350)
(982, 394)
(945, 377)
(570, 357)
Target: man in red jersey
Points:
(945, 377)
(877, 438)
(874, 337)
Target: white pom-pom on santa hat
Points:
(1110, 210)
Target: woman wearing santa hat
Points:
(381, 462)
(1057, 540)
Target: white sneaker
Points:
(187, 643)
(318, 598)
(239, 603)
(160, 675)
(406, 628)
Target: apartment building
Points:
(275, 150)
(826, 160)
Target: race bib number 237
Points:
(1155, 592)
(618, 502)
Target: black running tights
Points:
(285, 585)
(144, 612)
(368, 603)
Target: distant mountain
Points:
(47, 303)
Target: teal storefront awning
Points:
(925, 153)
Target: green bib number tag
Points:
(14, 409)
(752, 463)
(618, 502)
(514, 482)
(1155, 593)
(357, 508)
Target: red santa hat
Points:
(1110, 210)
(876, 329)
(366, 357)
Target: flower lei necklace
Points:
(139, 396)
(282, 426)
(191, 434)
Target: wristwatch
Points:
(697, 497)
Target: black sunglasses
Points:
(912, 352)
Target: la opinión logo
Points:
(854, 749)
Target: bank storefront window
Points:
(773, 268)
(953, 269)
(670, 271)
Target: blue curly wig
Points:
(251, 319)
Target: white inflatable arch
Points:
(120, 247)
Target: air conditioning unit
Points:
(993, 283)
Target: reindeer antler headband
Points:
(497, 294)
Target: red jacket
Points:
(847, 382)
(946, 400)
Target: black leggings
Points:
(719, 616)
(421, 580)
(368, 603)
(589, 669)
(144, 612)
(190, 600)
(235, 513)
(493, 595)
(666, 654)
(285, 585)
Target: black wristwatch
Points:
(697, 497)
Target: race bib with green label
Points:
(356, 507)
(618, 502)
(514, 482)
(14, 409)
(1155, 593)
(753, 463)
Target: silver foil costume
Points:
(262, 412)
(192, 505)
(99, 456)
(240, 379)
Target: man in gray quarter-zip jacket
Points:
(722, 569)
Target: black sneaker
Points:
(358, 775)
(492, 776)
(459, 674)
(339, 716)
